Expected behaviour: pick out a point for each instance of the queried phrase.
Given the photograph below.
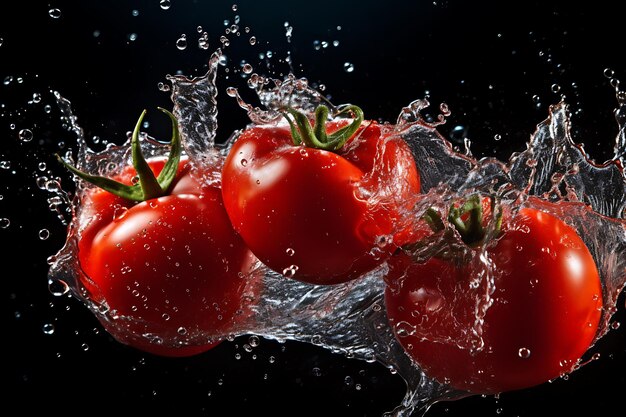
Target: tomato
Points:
(541, 318)
(317, 215)
(170, 271)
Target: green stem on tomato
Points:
(316, 136)
(433, 219)
(471, 230)
(149, 186)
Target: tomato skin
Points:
(167, 268)
(304, 207)
(545, 313)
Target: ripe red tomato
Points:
(544, 314)
(172, 272)
(316, 215)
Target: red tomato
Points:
(544, 314)
(171, 270)
(314, 215)
(159, 257)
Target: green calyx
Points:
(148, 186)
(316, 136)
(467, 219)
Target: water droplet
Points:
(234, 7)
(163, 87)
(4, 223)
(181, 43)
(290, 271)
(58, 287)
(404, 329)
(244, 162)
(119, 213)
(383, 241)
(85, 347)
(271, 359)
(203, 41)
(5, 164)
(132, 37)
(182, 331)
(555, 88)
(608, 73)
(252, 40)
(8, 80)
(48, 328)
(25, 135)
(1, 41)
(497, 136)
(165, 316)
(165, 4)
(254, 341)
(524, 353)
(290, 251)
(288, 31)
(247, 68)
(348, 67)
(54, 13)
(231, 92)
(615, 325)
(44, 234)
(135, 12)
(316, 371)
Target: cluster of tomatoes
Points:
(173, 260)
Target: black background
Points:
(485, 60)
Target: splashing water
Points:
(350, 318)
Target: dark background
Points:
(498, 66)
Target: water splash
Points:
(350, 318)
(195, 107)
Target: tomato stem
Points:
(467, 219)
(433, 218)
(316, 136)
(149, 186)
